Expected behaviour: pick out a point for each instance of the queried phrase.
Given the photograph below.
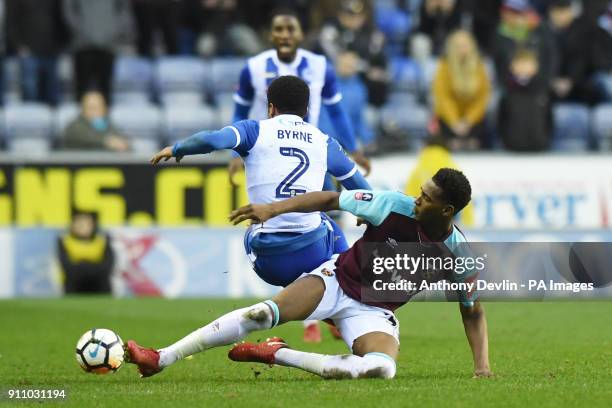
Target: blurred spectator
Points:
(485, 19)
(525, 119)
(97, 28)
(434, 156)
(461, 92)
(437, 19)
(585, 54)
(153, 17)
(86, 256)
(2, 49)
(223, 31)
(38, 34)
(354, 100)
(323, 11)
(353, 30)
(92, 128)
(521, 27)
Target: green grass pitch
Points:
(544, 354)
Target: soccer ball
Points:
(100, 351)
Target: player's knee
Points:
(378, 365)
(262, 315)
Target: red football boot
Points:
(147, 359)
(257, 352)
(312, 333)
(334, 331)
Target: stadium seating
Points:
(132, 80)
(225, 108)
(141, 123)
(182, 98)
(180, 75)
(225, 73)
(406, 74)
(183, 121)
(395, 23)
(28, 128)
(429, 72)
(12, 86)
(571, 127)
(411, 118)
(63, 115)
(66, 78)
(602, 125)
(402, 98)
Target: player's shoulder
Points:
(395, 199)
(457, 242)
(246, 125)
(312, 55)
(260, 58)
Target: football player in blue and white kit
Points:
(284, 156)
(286, 58)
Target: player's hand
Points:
(165, 154)
(256, 212)
(483, 373)
(234, 166)
(360, 158)
(116, 143)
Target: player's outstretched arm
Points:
(199, 143)
(316, 201)
(475, 324)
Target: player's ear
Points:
(271, 110)
(448, 210)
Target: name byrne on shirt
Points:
(294, 134)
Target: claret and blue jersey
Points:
(284, 156)
(391, 217)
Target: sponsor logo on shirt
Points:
(363, 196)
(326, 272)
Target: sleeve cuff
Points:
(348, 175)
(239, 99)
(334, 99)
(237, 133)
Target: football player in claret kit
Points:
(332, 290)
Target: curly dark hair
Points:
(456, 189)
(289, 94)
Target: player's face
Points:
(286, 35)
(429, 206)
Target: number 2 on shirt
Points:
(284, 189)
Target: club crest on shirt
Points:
(326, 272)
(363, 196)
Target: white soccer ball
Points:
(100, 351)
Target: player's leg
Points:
(374, 364)
(372, 334)
(377, 361)
(296, 302)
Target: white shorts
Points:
(351, 317)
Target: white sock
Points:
(310, 322)
(227, 329)
(372, 365)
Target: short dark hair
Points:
(456, 189)
(285, 11)
(289, 94)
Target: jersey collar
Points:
(293, 64)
